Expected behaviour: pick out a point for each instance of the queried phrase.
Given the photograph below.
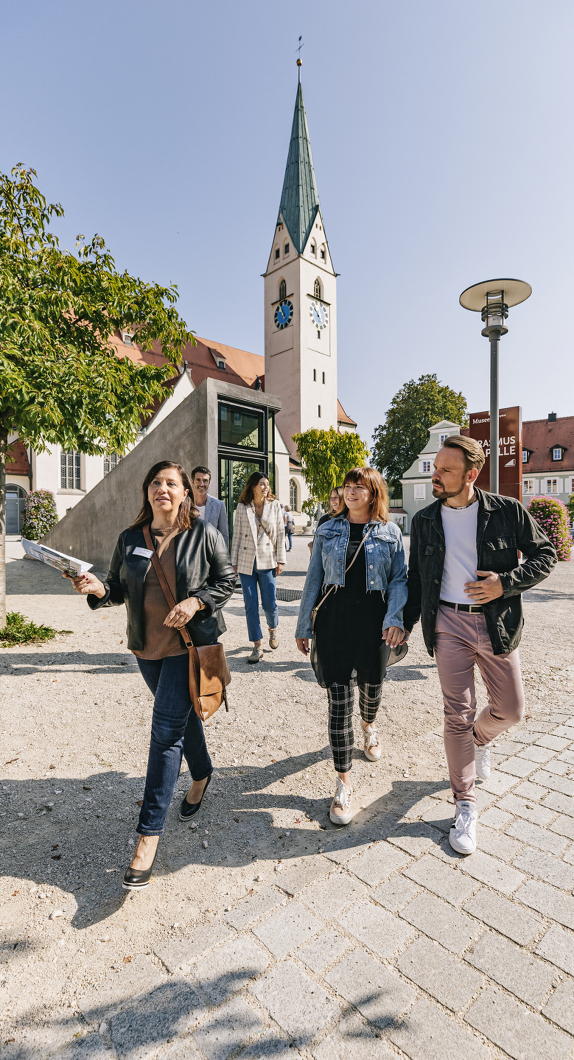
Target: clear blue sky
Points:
(442, 141)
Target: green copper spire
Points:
(299, 198)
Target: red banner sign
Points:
(509, 449)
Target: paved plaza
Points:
(266, 931)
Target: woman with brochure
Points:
(194, 561)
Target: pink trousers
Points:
(461, 641)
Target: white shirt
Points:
(201, 510)
(460, 558)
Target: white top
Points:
(460, 559)
(201, 510)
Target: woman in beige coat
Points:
(258, 556)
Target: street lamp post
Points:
(492, 299)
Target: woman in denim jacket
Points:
(359, 616)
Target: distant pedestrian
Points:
(466, 580)
(335, 501)
(196, 565)
(209, 508)
(258, 556)
(356, 586)
(289, 524)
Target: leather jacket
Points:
(503, 528)
(202, 569)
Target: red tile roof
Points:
(17, 462)
(342, 416)
(541, 436)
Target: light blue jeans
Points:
(266, 580)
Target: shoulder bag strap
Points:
(347, 569)
(164, 583)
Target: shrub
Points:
(20, 630)
(40, 514)
(552, 516)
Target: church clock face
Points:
(283, 314)
(319, 315)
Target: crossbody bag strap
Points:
(347, 569)
(164, 583)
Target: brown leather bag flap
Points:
(214, 672)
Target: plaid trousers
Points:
(341, 699)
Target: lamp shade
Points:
(515, 291)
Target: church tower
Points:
(301, 298)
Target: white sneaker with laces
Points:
(372, 747)
(462, 836)
(482, 761)
(340, 812)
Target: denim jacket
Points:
(384, 560)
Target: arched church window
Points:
(314, 249)
(323, 254)
(317, 289)
(277, 253)
(286, 248)
(293, 495)
(282, 289)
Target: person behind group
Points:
(258, 556)
(466, 581)
(334, 502)
(358, 621)
(209, 508)
(289, 524)
(196, 564)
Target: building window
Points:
(314, 375)
(421, 492)
(558, 453)
(323, 377)
(323, 254)
(70, 471)
(528, 487)
(127, 338)
(277, 253)
(282, 290)
(525, 456)
(319, 411)
(286, 248)
(317, 289)
(110, 462)
(552, 485)
(442, 439)
(293, 495)
(314, 249)
(318, 334)
(424, 467)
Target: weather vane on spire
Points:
(299, 59)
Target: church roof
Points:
(299, 198)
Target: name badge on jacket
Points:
(147, 553)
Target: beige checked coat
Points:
(246, 548)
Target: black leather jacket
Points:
(202, 569)
(504, 527)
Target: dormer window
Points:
(558, 453)
(286, 249)
(219, 359)
(127, 338)
(525, 456)
(277, 253)
(317, 288)
(282, 290)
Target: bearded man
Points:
(466, 583)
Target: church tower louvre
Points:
(301, 298)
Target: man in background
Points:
(289, 524)
(209, 508)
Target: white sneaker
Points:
(482, 761)
(372, 747)
(462, 836)
(340, 812)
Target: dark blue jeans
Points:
(266, 581)
(176, 730)
(289, 536)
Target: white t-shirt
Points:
(460, 559)
(201, 510)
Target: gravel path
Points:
(266, 931)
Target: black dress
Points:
(347, 641)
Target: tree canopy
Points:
(61, 380)
(326, 456)
(416, 407)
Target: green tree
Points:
(326, 456)
(61, 381)
(416, 406)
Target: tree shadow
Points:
(22, 665)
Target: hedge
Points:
(552, 517)
(40, 514)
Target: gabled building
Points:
(548, 457)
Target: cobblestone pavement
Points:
(266, 932)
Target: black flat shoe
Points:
(187, 810)
(136, 878)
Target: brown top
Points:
(160, 641)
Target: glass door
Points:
(233, 474)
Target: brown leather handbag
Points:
(208, 670)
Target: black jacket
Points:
(504, 527)
(202, 569)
